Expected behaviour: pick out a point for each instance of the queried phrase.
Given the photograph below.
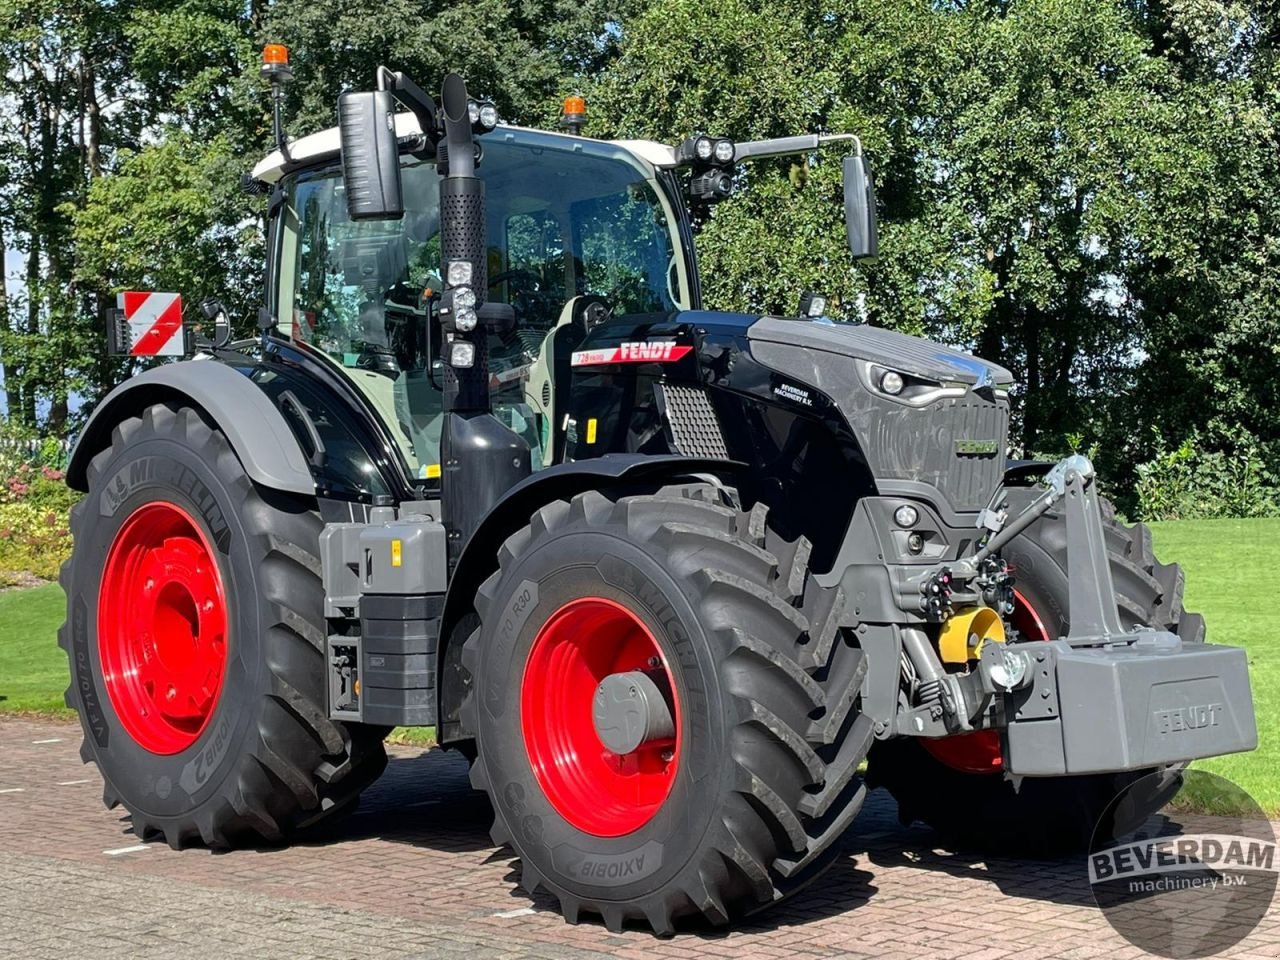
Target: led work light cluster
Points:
(458, 311)
(711, 159)
(483, 115)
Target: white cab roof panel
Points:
(319, 146)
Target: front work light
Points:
(462, 354)
(813, 305)
(459, 272)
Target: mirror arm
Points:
(829, 138)
(785, 146)
(412, 96)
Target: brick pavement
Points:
(413, 874)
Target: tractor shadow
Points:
(879, 840)
(425, 799)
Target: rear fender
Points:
(256, 430)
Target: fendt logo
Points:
(641, 351)
(1182, 719)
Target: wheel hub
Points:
(630, 711)
(600, 717)
(162, 628)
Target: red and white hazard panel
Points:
(154, 322)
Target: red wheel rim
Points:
(980, 752)
(162, 628)
(595, 790)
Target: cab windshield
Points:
(566, 218)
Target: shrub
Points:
(35, 503)
(1190, 483)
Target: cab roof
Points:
(318, 147)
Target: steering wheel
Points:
(506, 276)
(530, 298)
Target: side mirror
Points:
(370, 157)
(860, 208)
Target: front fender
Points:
(256, 430)
(479, 557)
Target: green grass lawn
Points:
(33, 669)
(1228, 565)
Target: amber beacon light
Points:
(574, 113)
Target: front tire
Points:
(195, 634)
(743, 800)
(938, 782)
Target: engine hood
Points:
(898, 351)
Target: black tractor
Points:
(667, 576)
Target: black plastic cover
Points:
(370, 157)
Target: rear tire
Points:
(266, 760)
(762, 774)
(1045, 816)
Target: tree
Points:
(1058, 191)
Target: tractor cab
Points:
(570, 223)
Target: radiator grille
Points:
(971, 479)
(695, 430)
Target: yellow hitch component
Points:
(966, 631)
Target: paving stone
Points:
(412, 875)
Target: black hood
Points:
(898, 351)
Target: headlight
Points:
(907, 388)
(891, 383)
(906, 516)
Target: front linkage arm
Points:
(1002, 669)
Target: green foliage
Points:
(34, 538)
(518, 54)
(172, 217)
(1188, 482)
(1083, 191)
(35, 503)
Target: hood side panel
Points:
(907, 354)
